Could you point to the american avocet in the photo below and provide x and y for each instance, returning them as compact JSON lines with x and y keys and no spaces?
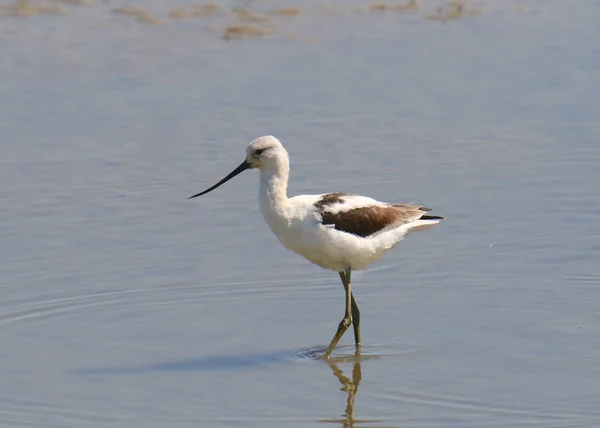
{"x":337,"y":231}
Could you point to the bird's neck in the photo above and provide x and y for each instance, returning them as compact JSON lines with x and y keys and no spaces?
{"x":273,"y":184}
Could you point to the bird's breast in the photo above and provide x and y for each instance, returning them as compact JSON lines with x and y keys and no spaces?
{"x":290,"y":229}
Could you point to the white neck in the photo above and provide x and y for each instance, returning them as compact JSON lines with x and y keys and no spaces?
{"x":273,"y":183}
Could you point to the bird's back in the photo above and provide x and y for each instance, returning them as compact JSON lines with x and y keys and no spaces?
{"x":337,"y":230}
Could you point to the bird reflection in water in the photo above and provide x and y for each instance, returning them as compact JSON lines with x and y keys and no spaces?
{"x":350,"y":387}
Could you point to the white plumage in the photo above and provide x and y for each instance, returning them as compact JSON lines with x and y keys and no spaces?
{"x":337,"y":231}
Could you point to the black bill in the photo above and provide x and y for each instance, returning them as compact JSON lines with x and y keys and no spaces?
{"x":243,"y":166}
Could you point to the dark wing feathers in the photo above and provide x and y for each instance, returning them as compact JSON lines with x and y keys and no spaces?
{"x":361,"y":221}
{"x":432,"y":217}
{"x":366,"y":221}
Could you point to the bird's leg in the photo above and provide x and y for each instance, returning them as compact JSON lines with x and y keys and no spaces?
{"x":356,"y":322}
{"x":355,"y":315}
{"x":347,"y":320}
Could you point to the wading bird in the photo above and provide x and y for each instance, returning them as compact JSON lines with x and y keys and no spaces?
{"x":337,"y":231}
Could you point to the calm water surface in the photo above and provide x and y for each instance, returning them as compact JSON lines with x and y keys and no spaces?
{"x":124,"y":304}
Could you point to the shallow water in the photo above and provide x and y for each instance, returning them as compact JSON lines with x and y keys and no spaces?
{"x":124,"y":304}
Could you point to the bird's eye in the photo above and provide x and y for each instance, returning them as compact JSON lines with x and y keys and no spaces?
{"x":258,"y":152}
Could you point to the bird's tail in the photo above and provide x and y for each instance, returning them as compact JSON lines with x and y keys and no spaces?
{"x":432,"y":217}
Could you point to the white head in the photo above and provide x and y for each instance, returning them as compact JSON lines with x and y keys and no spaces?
{"x":265,"y":153}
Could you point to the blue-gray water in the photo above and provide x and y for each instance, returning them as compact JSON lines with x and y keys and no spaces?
{"x":124,"y":304}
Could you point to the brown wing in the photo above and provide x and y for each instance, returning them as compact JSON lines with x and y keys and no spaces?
{"x":425,"y":209}
{"x":366,"y":221}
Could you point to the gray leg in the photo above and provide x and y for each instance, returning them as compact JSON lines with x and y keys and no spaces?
{"x":347,"y":320}
{"x":356,"y":322}
{"x":355,"y":312}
